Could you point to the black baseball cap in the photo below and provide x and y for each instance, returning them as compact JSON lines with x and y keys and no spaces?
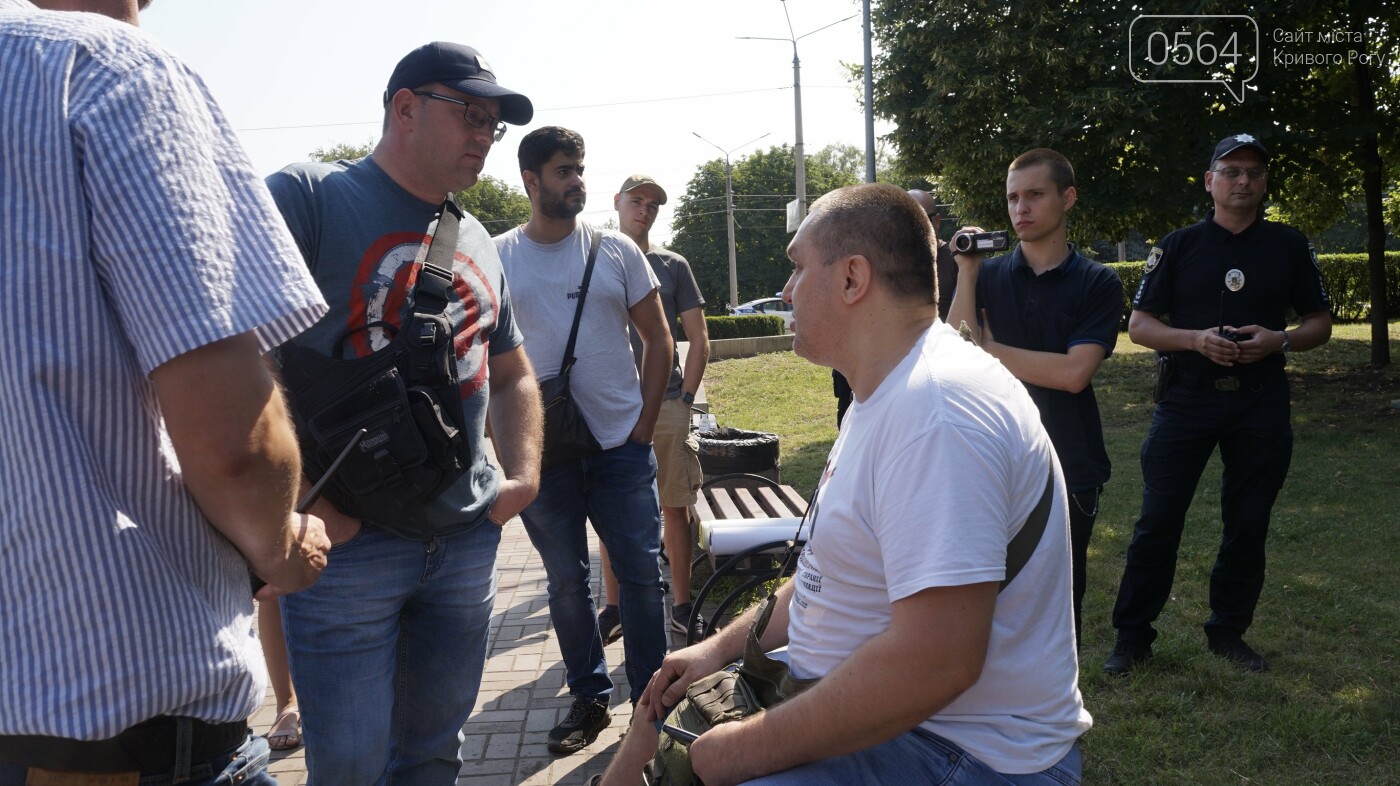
{"x":460,"y":68}
{"x":1235,"y":142}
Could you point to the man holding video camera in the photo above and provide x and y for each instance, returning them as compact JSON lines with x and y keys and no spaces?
{"x":1226,"y":387}
{"x":1051,"y":317}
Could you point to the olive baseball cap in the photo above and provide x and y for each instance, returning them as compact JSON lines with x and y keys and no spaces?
{"x":643,"y":180}
{"x":461,"y":68}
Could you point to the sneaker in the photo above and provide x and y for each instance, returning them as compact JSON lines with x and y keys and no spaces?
{"x":1233,"y":649}
{"x":586,"y":720}
{"x":1125,"y":658}
{"x":610,"y":624}
{"x":680,"y":622}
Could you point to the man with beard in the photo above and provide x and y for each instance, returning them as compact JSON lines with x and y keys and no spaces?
{"x":614,"y":487}
{"x":387,"y":655}
{"x":1051,"y":317}
{"x":1214,"y":299}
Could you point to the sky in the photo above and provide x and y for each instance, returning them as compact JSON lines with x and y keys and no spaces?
{"x":637,"y":79}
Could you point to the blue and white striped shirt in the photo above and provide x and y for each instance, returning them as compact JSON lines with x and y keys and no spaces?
{"x":132,"y":230}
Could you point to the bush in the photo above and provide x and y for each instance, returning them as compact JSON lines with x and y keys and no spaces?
{"x":744,"y":326}
{"x":1347,"y":277}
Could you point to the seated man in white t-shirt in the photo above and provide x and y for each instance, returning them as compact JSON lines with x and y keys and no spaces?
{"x":927,"y":673}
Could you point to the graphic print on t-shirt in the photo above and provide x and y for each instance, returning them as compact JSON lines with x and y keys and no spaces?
{"x":809,"y":572}
{"x":380,"y":292}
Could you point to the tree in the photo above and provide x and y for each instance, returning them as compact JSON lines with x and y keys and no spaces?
{"x":1338,"y":117}
{"x":343,"y":151}
{"x":498,"y":206}
{"x":973,"y":84}
{"x":763,"y":185}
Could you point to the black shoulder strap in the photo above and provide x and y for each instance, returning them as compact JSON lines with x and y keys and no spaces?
{"x":433,"y":291}
{"x":1018,"y":550}
{"x":1022,"y":546}
{"x":593,"y":239}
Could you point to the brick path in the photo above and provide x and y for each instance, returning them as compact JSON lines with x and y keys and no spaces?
{"x":522,"y":689}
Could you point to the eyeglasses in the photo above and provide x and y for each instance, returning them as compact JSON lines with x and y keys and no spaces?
{"x":475,"y":116}
{"x":1232,"y":172}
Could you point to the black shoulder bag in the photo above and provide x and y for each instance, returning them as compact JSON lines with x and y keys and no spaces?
{"x":566,"y":434}
{"x":757,"y":681}
{"x":406,"y":396}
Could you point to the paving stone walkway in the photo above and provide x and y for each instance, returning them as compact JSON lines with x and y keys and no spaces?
{"x":522,"y":690}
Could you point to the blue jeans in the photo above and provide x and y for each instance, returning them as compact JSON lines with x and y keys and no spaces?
{"x":616,"y":490}
{"x":386,"y":653}
{"x":246,"y":766}
{"x":919,"y":757}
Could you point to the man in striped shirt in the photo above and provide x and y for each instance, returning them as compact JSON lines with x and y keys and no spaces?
{"x":148,"y":462}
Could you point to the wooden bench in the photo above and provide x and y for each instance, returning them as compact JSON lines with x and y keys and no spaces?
{"x":746,"y":522}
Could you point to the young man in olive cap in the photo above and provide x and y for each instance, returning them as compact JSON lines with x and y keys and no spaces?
{"x":678,"y":473}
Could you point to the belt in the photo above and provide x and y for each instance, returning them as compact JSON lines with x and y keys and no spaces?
{"x":1227,"y":384}
{"x":149,"y":746}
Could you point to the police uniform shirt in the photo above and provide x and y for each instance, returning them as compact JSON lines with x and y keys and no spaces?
{"x":1204,"y":276}
{"x":1080,"y":301}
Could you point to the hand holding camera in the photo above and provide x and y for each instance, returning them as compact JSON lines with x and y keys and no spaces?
{"x":974,"y":241}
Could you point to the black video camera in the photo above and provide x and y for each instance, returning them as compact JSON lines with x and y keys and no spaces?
{"x":979,"y":242}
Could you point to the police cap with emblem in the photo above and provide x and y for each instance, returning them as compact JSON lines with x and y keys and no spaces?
{"x":1235,"y":142}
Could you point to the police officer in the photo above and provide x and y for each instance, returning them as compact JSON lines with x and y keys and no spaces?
{"x":1226,"y":285}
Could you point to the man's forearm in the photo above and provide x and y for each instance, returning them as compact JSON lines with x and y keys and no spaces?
{"x":940,"y":638}
{"x":1071,"y":371}
{"x":697,"y":356}
{"x":238,"y":454}
{"x":964,"y":305}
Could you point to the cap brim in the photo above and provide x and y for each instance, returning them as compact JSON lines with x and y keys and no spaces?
{"x":1243,"y":146}
{"x":516,"y":109}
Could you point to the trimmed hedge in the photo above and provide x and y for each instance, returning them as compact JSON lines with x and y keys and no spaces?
{"x":1347,"y":277}
{"x":744,"y":326}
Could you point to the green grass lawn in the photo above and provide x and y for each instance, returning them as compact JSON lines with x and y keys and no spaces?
{"x":1329,"y":619}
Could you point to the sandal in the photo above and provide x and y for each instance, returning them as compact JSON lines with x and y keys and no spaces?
{"x":284,"y":736}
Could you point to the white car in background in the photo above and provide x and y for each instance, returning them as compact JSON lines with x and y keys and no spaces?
{"x":767,"y":306}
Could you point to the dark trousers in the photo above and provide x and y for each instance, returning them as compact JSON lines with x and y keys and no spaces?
{"x":1255,"y":436}
{"x":1083,"y":512}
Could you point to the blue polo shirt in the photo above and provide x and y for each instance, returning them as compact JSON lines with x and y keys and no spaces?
{"x":1079,"y":301}
{"x":1272,"y":266}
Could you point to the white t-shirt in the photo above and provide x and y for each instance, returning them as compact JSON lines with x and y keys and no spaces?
{"x":928,"y":481}
{"x":544,"y":282}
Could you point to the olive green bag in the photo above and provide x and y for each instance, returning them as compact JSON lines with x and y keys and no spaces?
{"x":758,"y":681}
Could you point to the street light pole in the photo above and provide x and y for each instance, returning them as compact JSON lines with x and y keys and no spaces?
{"x":869,"y":96}
{"x":797,"y":151}
{"x":729,"y":213}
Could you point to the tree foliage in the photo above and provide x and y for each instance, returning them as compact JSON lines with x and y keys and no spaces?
{"x":763,"y":185}
{"x":973,"y":84}
{"x":496,"y":204}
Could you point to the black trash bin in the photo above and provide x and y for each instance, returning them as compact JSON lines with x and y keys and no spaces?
{"x":725,"y":451}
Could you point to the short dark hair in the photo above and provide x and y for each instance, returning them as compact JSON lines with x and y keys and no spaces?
{"x":1061,"y":171}
{"x":886,"y":226}
{"x":540,"y":145}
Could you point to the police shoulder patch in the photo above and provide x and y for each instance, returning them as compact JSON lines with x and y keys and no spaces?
{"x":1153,"y":258}
{"x":1312,"y":252}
